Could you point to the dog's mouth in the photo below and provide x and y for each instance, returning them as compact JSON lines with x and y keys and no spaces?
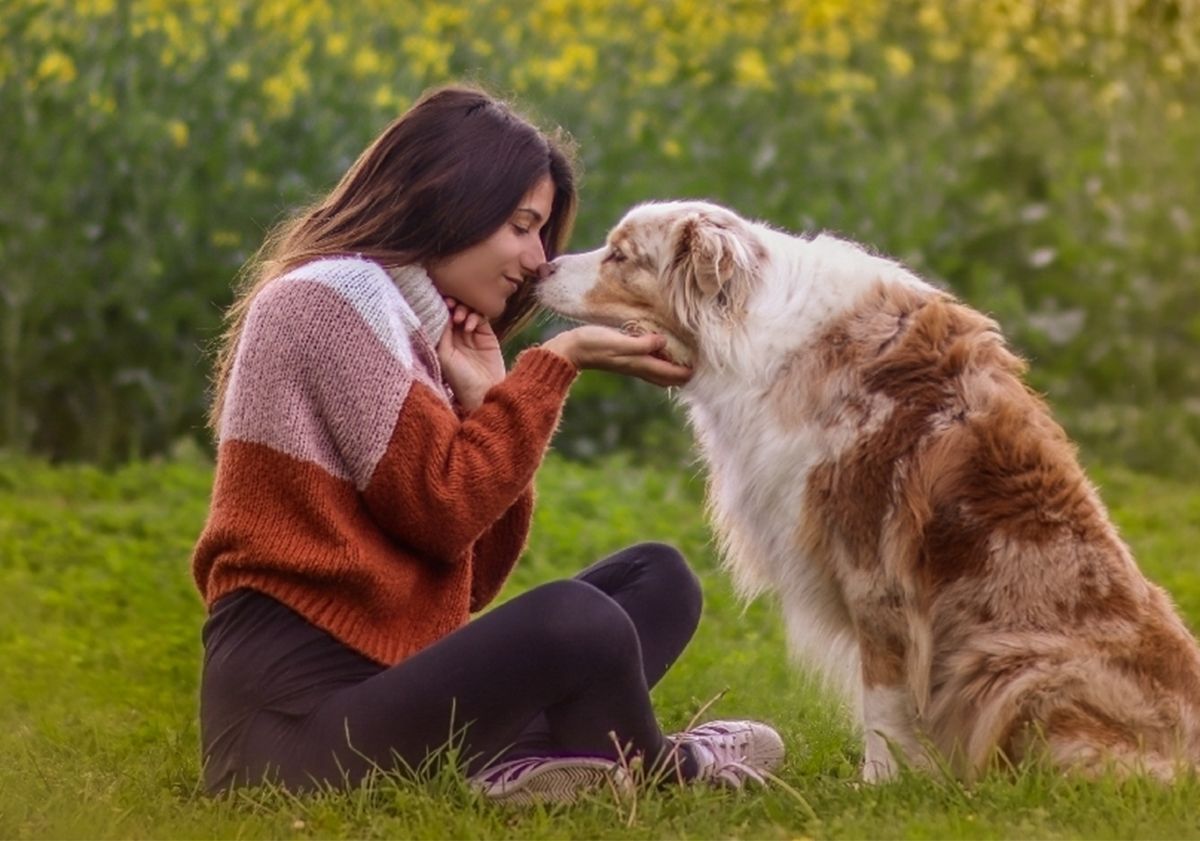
{"x":677,"y":350}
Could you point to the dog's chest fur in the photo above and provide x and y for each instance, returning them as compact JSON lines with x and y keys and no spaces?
{"x":765,"y":430}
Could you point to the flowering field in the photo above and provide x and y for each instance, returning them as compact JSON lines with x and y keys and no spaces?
{"x":1039,"y":158}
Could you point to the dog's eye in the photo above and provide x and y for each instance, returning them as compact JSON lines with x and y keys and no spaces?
{"x":615,"y":255}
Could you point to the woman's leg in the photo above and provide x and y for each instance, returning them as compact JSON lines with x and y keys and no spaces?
{"x":657,"y":590}
{"x":564,"y":649}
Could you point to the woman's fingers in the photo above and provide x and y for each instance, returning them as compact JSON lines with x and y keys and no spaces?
{"x":611,"y":350}
{"x":463,"y":316}
{"x":658,"y":371}
{"x":612,"y":341}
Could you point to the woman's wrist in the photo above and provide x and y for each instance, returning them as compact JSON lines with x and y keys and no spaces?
{"x":563,"y":345}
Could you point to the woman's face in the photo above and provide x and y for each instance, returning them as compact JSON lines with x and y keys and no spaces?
{"x":485,"y":275}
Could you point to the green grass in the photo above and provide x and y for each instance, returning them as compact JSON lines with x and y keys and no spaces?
{"x":100,"y":655}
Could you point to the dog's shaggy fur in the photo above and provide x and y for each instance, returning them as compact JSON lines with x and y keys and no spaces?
{"x":876,"y":460}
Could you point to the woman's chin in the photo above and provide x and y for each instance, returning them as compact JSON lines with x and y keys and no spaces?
{"x":489,"y":309}
{"x":496,"y":309}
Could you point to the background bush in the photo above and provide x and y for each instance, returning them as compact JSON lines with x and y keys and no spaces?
{"x":1038,"y":158}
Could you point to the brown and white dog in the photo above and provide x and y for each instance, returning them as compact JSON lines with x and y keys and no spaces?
{"x":876,"y":460}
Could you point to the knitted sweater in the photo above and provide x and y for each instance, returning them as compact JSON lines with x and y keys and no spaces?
{"x":347,"y":486}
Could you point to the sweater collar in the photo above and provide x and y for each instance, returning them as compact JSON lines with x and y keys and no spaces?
{"x":418,"y":290}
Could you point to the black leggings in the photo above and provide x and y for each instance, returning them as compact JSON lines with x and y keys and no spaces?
{"x":555,"y":670}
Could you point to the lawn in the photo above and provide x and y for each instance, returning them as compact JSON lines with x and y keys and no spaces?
{"x":100,"y":654}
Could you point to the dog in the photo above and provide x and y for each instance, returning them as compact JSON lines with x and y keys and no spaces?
{"x":876,"y":460}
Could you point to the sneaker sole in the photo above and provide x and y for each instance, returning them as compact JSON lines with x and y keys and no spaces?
{"x":563,"y":785}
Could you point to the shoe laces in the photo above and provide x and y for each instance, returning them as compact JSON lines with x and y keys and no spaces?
{"x":725,"y":745}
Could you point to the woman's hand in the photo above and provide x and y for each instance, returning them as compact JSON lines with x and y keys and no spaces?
{"x":470,"y":356}
{"x":608,"y":349}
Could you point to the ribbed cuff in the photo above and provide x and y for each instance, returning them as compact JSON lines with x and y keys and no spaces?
{"x":546,"y":367}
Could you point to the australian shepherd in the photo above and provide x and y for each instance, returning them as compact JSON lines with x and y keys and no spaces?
{"x":876,"y":460}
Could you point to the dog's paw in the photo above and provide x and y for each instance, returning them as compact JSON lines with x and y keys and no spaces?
{"x":879,"y":770}
{"x":674,"y":351}
{"x":634,"y":327}
{"x":885,"y":757}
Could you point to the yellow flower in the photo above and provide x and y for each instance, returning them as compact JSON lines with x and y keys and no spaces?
{"x":239,"y":71}
{"x":367,"y":62}
{"x":178,"y":131}
{"x":898,"y":61}
{"x":440,"y":18}
{"x":945,"y":49}
{"x":1000,"y":76}
{"x":837,"y":44}
{"x":382,"y":97}
{"x":665,"y":68}
{"x":95,"y":8}
{"x":101,"y":102}
{"x":930,"y":17}
{"x":56,"y":66}
{"x":336,"y":44}
{"x":225,"y":239}
{"x":429,"y":56}
{"x":750,"y":70}
{"x":671,"y":148}
{"x":574,"y":67}
{"x":229,"y":15}
{"x":280,"y":95}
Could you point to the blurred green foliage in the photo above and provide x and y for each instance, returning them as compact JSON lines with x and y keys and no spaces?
{"x":1038,"y":158}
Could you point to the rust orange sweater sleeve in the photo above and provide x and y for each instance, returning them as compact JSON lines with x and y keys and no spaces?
{"x":442,"y":483}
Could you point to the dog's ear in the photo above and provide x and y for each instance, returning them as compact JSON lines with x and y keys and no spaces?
{"x":713,"y":267}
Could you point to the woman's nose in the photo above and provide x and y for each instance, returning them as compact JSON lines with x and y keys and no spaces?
{"x":534,"y":257}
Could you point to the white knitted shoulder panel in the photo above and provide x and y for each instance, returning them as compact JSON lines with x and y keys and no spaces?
{"x":324,"y":365}
{"x":369,"y":288}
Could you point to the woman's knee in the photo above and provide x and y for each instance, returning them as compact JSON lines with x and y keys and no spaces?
{"x":579,"y":623}
{"x":675,"y":577}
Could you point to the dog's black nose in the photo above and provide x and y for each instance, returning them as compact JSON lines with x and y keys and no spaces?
{"x":545,"y":270}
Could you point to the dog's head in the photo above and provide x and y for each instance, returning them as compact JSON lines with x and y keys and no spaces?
{"x":683,"y":269}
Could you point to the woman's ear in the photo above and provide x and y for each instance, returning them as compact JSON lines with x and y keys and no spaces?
{"x":714,"y":266}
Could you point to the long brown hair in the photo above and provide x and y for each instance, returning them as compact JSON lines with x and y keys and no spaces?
{"x":441,"y":178}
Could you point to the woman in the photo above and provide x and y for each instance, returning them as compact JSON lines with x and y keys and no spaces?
{"x":374,"y":487}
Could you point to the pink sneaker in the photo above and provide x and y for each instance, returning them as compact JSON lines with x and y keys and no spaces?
{"x":551,"y":779}
{"x":731,"y":753}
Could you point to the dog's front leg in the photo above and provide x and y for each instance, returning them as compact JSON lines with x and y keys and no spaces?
{"x":889,"y":708}
{"x":889,"y":716}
